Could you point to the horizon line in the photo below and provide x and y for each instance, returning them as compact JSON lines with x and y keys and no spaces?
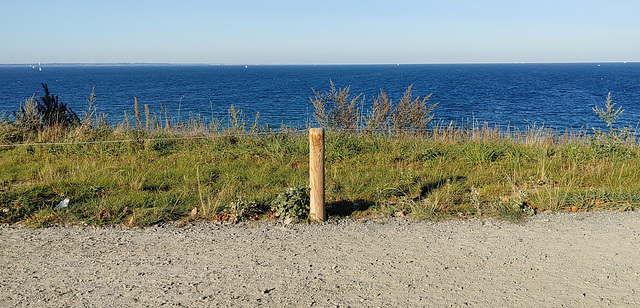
{"x":292,"y":64}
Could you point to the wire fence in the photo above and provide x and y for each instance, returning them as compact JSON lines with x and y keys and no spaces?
{"x":447,"y":131}
{"x":209,"y":136}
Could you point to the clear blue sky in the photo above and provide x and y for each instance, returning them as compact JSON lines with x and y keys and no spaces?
{"x":319,"y":32}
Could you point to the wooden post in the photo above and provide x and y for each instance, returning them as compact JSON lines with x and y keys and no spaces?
{"x":316,"y":173}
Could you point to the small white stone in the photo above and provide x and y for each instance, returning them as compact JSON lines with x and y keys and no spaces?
{"x":64,"y":203}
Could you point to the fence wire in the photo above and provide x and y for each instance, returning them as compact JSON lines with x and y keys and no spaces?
{"x":152,"y":139}
{"x":450,"y":131}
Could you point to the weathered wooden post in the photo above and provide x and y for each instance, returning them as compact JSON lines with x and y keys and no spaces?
{"x":316,"y":173}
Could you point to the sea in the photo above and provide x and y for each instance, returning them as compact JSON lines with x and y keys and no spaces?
{"x":522,"y":96}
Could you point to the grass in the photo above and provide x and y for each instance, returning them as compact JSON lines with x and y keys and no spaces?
{"x":140,"y":183}
{"x":196,"y":171}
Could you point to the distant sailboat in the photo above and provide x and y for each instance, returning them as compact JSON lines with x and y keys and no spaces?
{"x":39,"y":67}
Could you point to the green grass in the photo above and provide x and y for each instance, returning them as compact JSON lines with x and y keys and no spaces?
{"x":141,"y":183}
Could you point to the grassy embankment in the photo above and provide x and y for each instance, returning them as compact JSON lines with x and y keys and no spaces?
{"x":440,"y":174}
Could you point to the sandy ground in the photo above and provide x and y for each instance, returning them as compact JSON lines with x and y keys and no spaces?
{"x":552,"y":260}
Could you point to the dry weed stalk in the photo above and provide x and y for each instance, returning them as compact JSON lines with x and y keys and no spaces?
{"x":343,"y":114}
{"x":378,"y":116}
{"x":412,"y":114}
{"x":126,"y":118}
{"x":28,"y":118}
{"x":204,"y":211}
{"x":135,"y":106}
{"x":237,"y":124}
{"x":146,"y":115}
{"x":167,"y":125}
{"x":335,"y":109}
{"x":91,"y":110}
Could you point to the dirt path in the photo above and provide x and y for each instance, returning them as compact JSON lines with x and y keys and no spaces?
{"x":553,"y":260}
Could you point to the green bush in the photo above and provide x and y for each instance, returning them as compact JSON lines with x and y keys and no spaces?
{"x":54,"y":113}
{"x":242,"y":209}
{"x":610,"y":143}
{"x":293,"y":204}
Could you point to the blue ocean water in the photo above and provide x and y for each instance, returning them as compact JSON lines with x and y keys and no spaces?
{"x":559,"y":96}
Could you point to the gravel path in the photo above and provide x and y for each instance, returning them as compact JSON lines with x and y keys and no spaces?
{"x":552,"y":260}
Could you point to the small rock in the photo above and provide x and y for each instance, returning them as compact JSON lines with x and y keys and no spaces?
{"x":64,"y":203}
{"x":287,"y":221}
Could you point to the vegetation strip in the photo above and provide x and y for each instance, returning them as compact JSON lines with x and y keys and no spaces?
{"x":248,"y":172}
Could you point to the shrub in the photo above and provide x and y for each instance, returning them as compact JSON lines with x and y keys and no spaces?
{"x":242,"y":209}
{"x":27,"y":122}
{"x":608,"y":115}
{"x":293,"y":204}
{"x":35,"y":115}
{"x":54,"y":113}
{"x":611,"y":142}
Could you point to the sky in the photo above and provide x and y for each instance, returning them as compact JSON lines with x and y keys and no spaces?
{"x":318,"y":32}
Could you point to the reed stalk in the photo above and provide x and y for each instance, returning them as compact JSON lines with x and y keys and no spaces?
{"x":146,"y":116}
{"x":126,"y":118}
{"x":135,"y":106}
